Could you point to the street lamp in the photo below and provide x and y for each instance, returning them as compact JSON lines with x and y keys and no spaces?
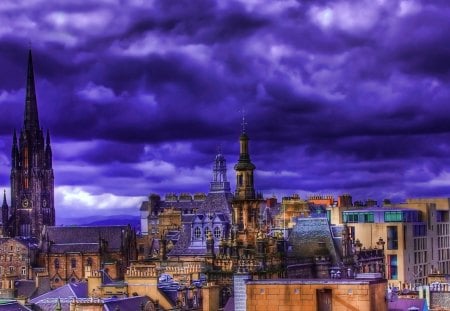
{"x":381,"y":243}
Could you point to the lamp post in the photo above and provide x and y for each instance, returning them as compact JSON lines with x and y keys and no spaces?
{"x":381,"y":243}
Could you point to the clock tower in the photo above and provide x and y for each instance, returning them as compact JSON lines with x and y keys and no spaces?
{"x":32,"y":180}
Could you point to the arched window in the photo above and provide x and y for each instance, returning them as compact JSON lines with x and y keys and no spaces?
{"x":197,"y":233}
{"x":207,"y":231}
{"x":217,"y":233}
{"x":73,"y":263}
{"x":56,"y":263}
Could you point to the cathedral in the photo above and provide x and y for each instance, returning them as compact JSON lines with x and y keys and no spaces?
{"x":32,"y":179}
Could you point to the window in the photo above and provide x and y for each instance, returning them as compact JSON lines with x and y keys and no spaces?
{"x":392,"y":237}
{"x":56,"y":263}
{"x":368,"y":217}
{"x":11,"y":269}
{"x":24,"y":271}
{"x":442,"y":216}
{"x":197,"y":233}
{"x":217,"y":233}
{"x":392,"y":260}
{"x":73,"y":263}
{"x":419,"y":230}
{"x":350,"y":217}
{"x":89,"y":262}
{"x":207,"y":231}
{"x":393,"y":216}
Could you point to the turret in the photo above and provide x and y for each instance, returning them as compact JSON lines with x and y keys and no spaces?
{"x":244,"y":171}
{"x":219,"y":182}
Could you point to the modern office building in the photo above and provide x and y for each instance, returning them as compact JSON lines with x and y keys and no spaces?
{"x":415,"y":246}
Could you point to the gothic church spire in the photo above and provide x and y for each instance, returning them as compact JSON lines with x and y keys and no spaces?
{"x":31,"y":119}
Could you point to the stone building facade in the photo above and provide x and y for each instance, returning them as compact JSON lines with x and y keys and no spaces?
{"x":72,"y":254}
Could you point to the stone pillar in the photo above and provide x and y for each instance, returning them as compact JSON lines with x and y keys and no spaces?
{"x":240,"y":291}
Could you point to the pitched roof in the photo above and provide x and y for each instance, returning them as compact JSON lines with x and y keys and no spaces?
{"x":84,"y":238}
{"x":311,"y":237}
{"x":130,"y":303}
{"x":406,"y":303}
{"x":12,"y":305}
{"x":66,"y":292}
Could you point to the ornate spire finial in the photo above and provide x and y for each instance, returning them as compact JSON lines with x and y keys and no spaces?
{"x":244,"y":123}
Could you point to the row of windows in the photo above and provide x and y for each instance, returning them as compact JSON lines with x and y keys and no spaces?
{"x":11,"y":249}
{"x":442,"y":229}
{"x":420,"y":257}
{"x":217,"y":233}
{"x":358,"y":217}
{"x":420,"y":244}
{"x":444,"y":267}
{"x":443,"y":254}
{"x":73,"y":263}
{"x":12,"y":269}
{"x":443,"y":242}
{"x":11,"y":258}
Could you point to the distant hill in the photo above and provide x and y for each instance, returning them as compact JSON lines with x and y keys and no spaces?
{"x":134,"y":221}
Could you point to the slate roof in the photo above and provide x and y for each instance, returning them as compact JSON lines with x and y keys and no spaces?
{"x":305,"y":237}
{"x":401,"y":304}
{"x":47,"y":301}
{"x":83,"y":239}
{"x":182,"y":246}
{"x":130,"y":303}
{"x":12,"y":305}
{"x":25,"y":288}
{"x":217,"y":202}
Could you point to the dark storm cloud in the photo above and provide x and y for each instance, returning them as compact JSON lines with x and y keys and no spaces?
{"x":138,"y":96}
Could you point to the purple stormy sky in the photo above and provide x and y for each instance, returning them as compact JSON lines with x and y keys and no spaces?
{"x":341,"y":97}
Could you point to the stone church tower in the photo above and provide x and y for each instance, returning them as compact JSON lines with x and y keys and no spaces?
{"x":247,"y":204}
{"x":32,"y":180}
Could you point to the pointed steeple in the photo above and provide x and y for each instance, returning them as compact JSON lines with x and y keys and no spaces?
{"x":4,"y":198}
{"x":14,"y":152}
{"x":48,"y":152}
{"x":31,"y":120}
{"x":5,"y":209}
